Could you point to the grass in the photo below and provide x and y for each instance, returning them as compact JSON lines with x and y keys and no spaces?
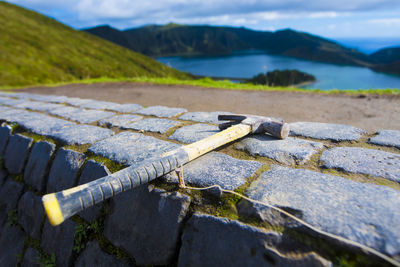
{"x":208,"y":83}
{"x":39,"y":50}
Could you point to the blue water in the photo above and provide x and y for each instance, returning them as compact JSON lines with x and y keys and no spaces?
{"x":369,"y":45}
{"x":246,"y":65}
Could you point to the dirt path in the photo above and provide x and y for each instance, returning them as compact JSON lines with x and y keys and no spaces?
{"x":371,"y":113}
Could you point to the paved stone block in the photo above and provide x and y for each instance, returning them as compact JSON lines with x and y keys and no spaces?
{"x":213,"y":241}
{"x":95,"y":104}
{"x":366,"y":213}
{"x":211,"y":117}
{"x":152,"y":222}
{"x":287,"y":151}
{"x":16,"y":153}
{"x":217,"y":168}
{"x":81,"y":115}
{"x":81,"y":134}
{"x":153,"y":125}
{"x":91,"y":171}
{"x":365,"y":161}
{"x":60,"y":241}
{"x":161,"y":111}
{"x":9,"y":201}
{"x":11,"y":245}
{"x":10,"y":101}
{"x":29,"y":105}
{"x":47,"y":98}
{"x":5,"y":132}
{"x":193,"y":133}
{"x":387,"y":138}
{"x":31,"y":258}
{"x":11,"y":114}
{"x":131,"y":148}
{"x":46,"y":107}
{"x":64,"y":170}
{"x":119,"y":120}
{"x":3,"y":176}
{"x":326,"y":131}
{"x":94,"y":256}
{"x":38,"y":165}
{"x":126,"y":108}
{"x":75,"y":101}
{"x":30,"y":213}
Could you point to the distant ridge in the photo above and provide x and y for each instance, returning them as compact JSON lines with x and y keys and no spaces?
{"x":174,"y":39}
{"x":36,"y":50}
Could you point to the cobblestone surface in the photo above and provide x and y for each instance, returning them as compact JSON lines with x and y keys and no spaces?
{"x":30,"y":214}
{"x":387,"y":138}
{"x":152,"y":125}
{"x":193,"y":133}
{"x":119,"y":120}
{"x":81,"y":115}
{"x":324,"y":131}
{"x":17,"y":153}
{"x":161,"y":111}
{"x":81,"y":134}
{"x":211,"y":117}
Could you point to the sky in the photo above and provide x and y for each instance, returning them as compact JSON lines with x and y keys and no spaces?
{"x":327,"y":18}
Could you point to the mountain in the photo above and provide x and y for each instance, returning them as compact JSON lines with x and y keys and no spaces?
{"x":174,"y":39}
{"x":387,"y":60}
{"x":36,"y":49}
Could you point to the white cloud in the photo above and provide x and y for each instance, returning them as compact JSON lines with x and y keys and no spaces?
{"x":388,"y":22}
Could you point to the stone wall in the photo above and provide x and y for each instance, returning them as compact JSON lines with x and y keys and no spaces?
{"x":337,"y":178}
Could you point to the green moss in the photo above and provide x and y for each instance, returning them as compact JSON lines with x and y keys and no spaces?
{"x":45,"y":260}
{"x":19,"y":178}
{"x":78,"y":148}
{"x":111,"y":165}
{"x":12,"y":218}
{"x":37,"y":137}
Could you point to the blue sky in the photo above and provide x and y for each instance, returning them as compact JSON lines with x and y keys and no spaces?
{"x":328,"y":18}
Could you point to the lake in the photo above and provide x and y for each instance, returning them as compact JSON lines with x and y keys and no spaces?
{"x":246,"y":65}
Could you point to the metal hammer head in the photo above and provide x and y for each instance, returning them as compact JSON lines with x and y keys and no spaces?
{"x":275,"y":127}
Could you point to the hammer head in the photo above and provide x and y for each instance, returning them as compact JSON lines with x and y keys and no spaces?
{"x":275,"y":127}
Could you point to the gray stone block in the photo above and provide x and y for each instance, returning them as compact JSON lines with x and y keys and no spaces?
{"x":16,"y":153}
{"x":95,"y":104}
{"x":29,"y":105}
{"x":119,"y":120}
{"x":81,"y":115}
{"x":325,"y":131}
{"x":64,"y":170}
{"x":131,"y":148}
{"x":30,"y":214}
{"x":94,"y":256}
{"x":126,"y":108}
{"x":31,"y":258}
{"x":365,"y":161}
{"x":91,"y":171}
{"x":213,"y":241}
{"x":11,"y":245}
{"x":210,"y":117}
{"x":361,"y":212}
{"x":152,"y":222}
{"x":287,"y":151}
{"x":3,"y":176}
{"x":46,"y":107}
{"x":10,"y":101}
{"x":12,"y":115}
{"x":193,"y":133}
{"x":5,"y":132}
{"x":9,"y":201}
{"x":81,"y":134}
{"x":161,"y":111}
{"x":152,"y":125}
{"x":47,"y":98}
{"x":38,"y":165}
{"x":387,"y":138}
{"x":75,"y":101}
{"x":217,"y":168}
{"x":60,"y":241}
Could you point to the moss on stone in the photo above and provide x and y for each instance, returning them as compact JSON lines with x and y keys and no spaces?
{"x":79,"y":148}
{"x":111,"y":165}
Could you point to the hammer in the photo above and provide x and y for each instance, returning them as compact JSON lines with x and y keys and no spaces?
{"x":62,"y":205}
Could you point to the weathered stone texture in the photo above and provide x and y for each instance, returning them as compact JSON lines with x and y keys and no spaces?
{"x":81,"y":115}
{"x":152,"y":125}
{"x":9,"y":201}
{"x":46,"y":107}
{"x":64,"y":170}
{"x":126,"y":108}
{"x":194,"y":133}
{"x":5,"y":132}
{"x":353,"y":210}
{"x":152,"y":221}
{"x":38,"y":164}
{"x":31,"y":258}
{"x":365,"y":161}
{"x":213,"y":241}
{"x":131,"y":148}
{"x":161,"y":111}
{"x":387,"y":138}
{"x":91,"y":171}
{"x":60,"y":241}
{"x":94,"y":256}
{"x":16,"y":153}
{"x":119,"y":120}
{"x":11,"y":244}
{"x":30,"y":212}
{"x":217,"y":168}
{"x":81,"y":134}
{"x":95,"y":104}
{"x":325,"y":131}
{"x":42,"y":124}
{"x":211,"y":117}
{"x":287,"y":151}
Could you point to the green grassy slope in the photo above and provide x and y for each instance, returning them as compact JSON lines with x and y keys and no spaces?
{"x":35,"y":49}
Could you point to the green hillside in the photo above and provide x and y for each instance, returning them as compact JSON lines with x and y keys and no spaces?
{"x":35,"y":49}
